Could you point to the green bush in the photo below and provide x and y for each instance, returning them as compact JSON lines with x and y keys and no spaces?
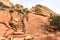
{"x":55,"y":21}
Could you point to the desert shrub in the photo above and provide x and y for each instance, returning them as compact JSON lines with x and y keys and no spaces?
{"x":55,"y":21}
{"x":19,"y":11}
{"x":24,"y":11}
{"x":3,"y":5}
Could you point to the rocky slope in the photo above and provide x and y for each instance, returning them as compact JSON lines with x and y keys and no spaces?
{"x":19,"y":23}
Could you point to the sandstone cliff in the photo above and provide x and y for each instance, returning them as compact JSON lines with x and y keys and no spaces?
{"x":19,"y":23}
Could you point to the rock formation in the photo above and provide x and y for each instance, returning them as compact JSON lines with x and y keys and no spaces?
{"x":19,"y":23}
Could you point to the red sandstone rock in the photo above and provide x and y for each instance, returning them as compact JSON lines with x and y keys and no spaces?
{"x":5,"y":16}
{"x":14,"y":14}
{"x":33,"y":23}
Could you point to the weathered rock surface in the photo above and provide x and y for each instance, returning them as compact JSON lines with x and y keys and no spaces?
{"x":17,"y":25}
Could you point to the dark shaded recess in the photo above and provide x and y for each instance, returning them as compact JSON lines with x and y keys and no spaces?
{"x":13,"y":26}
{"x":4,"y":6}
{"x":22,"y":25}
{"x":10,"y":11}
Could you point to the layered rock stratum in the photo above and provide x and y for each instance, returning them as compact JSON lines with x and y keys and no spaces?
{"x":19,"y":23}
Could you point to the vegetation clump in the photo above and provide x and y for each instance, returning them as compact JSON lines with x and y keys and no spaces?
{"x":55,"y":21}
